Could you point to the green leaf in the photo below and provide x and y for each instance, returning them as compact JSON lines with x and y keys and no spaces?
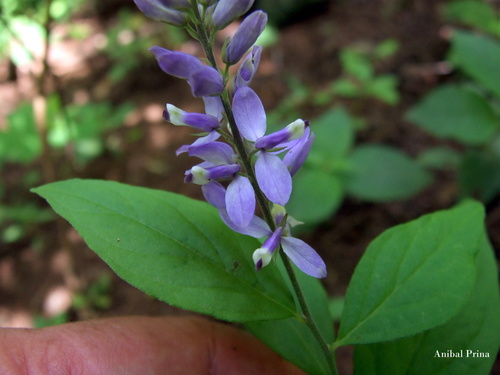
{"x":413,"y":277}
{"x":475,"y":328}
{"x":356,"y":64}
{"x":292,"y":338}
{"x":172,"y":247}
{"x":478,"y":56}
{"x":324,"y":192}
{"x":384,"y":88}
{"x":334,"y":134}
{"x":381,"y":173}
{"x":440,"y":158}
{"x":478,"y":14}
{"x":457,"y":113}
{"x":479,"y":175}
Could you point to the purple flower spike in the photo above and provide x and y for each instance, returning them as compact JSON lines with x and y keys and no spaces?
{"x":177,"y":64}
{"x":206,"y":82}
{"x":164,"y":10}
{"x":247,"y":34}
{"x":249,"y":114}
{"x":248,"y":68}
{"x":273,"y":177}
{"x":304,"y":257}
{"x":297,"y":155}
{"x":263,"y":255}
{"x":177,"y":116}
{"x":226,"y":11}
{"x":240,"y":201}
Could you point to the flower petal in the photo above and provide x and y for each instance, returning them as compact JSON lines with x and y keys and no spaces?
{"x":206,"y":81}
{"x":226,"y":11}
{"x":245,"y":37}
{"x":215,"y":194}
{"x":218,"y":153}
{"x":240,"y":201}
{"x":249,"y":114}
{"x":213,"y":106}
{"x":297,"y":155}
{"x":273,"y":177}
{"x":175,"y":63}
{"x":257,"y":227}
{"x":210,"y":137}
{"x":304,"y":257}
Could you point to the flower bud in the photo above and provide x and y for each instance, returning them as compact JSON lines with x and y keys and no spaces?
{"x":175,"y":63}
{"x":201,"y":176}
{"x":226,"y":11}
{"x":206,"y":82}
{"x":248,"y":68}
{"x":164,"y":10}
{"x":200,"y":121}
{"x":245,"y":37}
{"x":263,"y":255}
{"x":293,"y":131}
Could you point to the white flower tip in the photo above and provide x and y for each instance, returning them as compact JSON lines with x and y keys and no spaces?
{"x":296,"y":129}
{"x":261,"y":257}
{"x":199,"y":175}
{"x":175,"y":115}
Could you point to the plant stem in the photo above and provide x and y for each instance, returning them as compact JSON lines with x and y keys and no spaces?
{"x":204,"y":39}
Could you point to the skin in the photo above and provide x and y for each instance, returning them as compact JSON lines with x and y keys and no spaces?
{"x":138,"y":345}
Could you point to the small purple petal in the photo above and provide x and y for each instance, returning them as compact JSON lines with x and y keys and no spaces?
{"x":218,"y":153}
{"x":215,"y":194}
{"x":240,"y":201}
{"x":249,"y":114}
{"x":270,"y":141}
{"x":214,"y":107}
{"x":222,"y":171}
{"x":210,"y":137}
{"x":257,"y":228}
{"x":177,"y":64}
{"x":297,"y":155}
{"x":248,"y":68}
{"x":245,"y":37}
{"x":273,"y":177}
{"x":163,"y":10}
{"x":304,"y":257}
{"x":206,"y":82}
{"x":226,"y":11}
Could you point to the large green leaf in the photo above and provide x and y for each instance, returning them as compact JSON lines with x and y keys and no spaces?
{"x":413,"y":277}
{"x":475,"y":329}
{"x":291,"y":338}
{"x":172,"y":247}
{"x":478,"y":56}
{"x":457,"y":113}
{"x":381,"y":173}
{"x":315,"y":197}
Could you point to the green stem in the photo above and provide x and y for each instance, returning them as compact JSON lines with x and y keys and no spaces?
{"x":261,"y":199}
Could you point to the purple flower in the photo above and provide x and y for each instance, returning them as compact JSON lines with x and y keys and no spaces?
{"x":297,"y":155}
{"x":200,"y":121}
{"x":248,"y":68}
{"x":300,"y":253}
{"x":272,"y":174}
{"x":248,"y":32}
{"x":226,"y":11}
{"x":164,"y":10}
{"x":204,"y":80}
{"x":215,"y":194}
